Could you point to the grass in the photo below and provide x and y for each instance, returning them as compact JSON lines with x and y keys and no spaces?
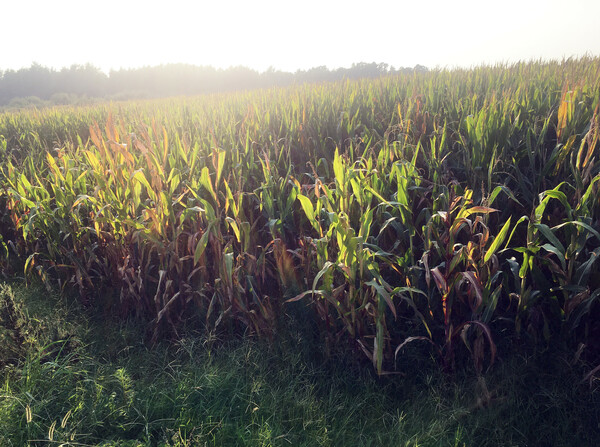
{"x":86,"y":380}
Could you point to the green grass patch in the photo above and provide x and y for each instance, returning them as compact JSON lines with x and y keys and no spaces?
{"x":80,"y":381}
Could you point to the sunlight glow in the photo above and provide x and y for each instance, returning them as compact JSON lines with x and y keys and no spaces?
{"x":294,"y":35}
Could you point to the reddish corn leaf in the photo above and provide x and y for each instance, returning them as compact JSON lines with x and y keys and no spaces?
{"x":440,"y":281}
{"x":458,"y":225}
{"x":486,"y":331}
{"x":475,"y":286}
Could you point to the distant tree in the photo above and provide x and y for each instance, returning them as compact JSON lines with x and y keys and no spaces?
{"x":315,"y":74}
{"x":28,"y":101}
{"x":273,"y":77}
{"x":81,"y":82}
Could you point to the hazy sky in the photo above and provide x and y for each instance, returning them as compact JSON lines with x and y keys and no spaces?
{"x":292,"y":35}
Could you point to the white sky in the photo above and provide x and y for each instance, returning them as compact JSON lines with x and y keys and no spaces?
{"x":292,"y":35}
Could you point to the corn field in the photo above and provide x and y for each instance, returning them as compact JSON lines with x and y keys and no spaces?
{"x":448,"y":210}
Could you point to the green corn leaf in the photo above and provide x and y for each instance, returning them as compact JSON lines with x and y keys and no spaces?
{"x":307,"y":206}
{"x":228,"y":257}
{"x":466,"y":212}
{"x":29,"y":262}
{"x":206,"y":183}
{"x":456,"y":259}
{"x":174,"y":183}
{"x":236,"y":229}
{"x":24,"y":186}
{"x":497,"y":190}
{"x":548,"y":234}
{"x":378,"y":346}
{"x":22,"y":197}
{"x":338,"y":171}
{"x":497,"y":241}
{"x":524,"y":265}
{"x":291,"y":198}
{"x":140,"y":177}
{"x":54,"y":167}
{"x":356,"y":189}
{"x":232,"y":202}
{"x":383,"y":294}
{"x":489,"y":310}
{"x":522,"y":219}
{"x":552,"y":249}
{"x":326,"y":267}
{"x":209,"y":211}
{"x":82,"y":198}
{"x":93,"y":161}
{"x":552,"y":194}
{"x":201,"y":246}
{"x":582,"y":273}
{"x":583,"y":203}
{"x":220,"y":163}
{"x":580,"y":224}
{"x":366,"y":220}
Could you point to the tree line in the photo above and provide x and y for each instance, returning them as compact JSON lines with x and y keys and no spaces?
{"x":40,"y":85}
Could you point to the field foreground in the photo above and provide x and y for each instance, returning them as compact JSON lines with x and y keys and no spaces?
{"x":77,"y":380}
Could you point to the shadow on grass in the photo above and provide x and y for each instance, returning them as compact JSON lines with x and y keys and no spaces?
{"x":83,"y":381}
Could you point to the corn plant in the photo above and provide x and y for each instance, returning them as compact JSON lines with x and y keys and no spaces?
{"x":461,"y":260}
{"x":423,"y":207}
